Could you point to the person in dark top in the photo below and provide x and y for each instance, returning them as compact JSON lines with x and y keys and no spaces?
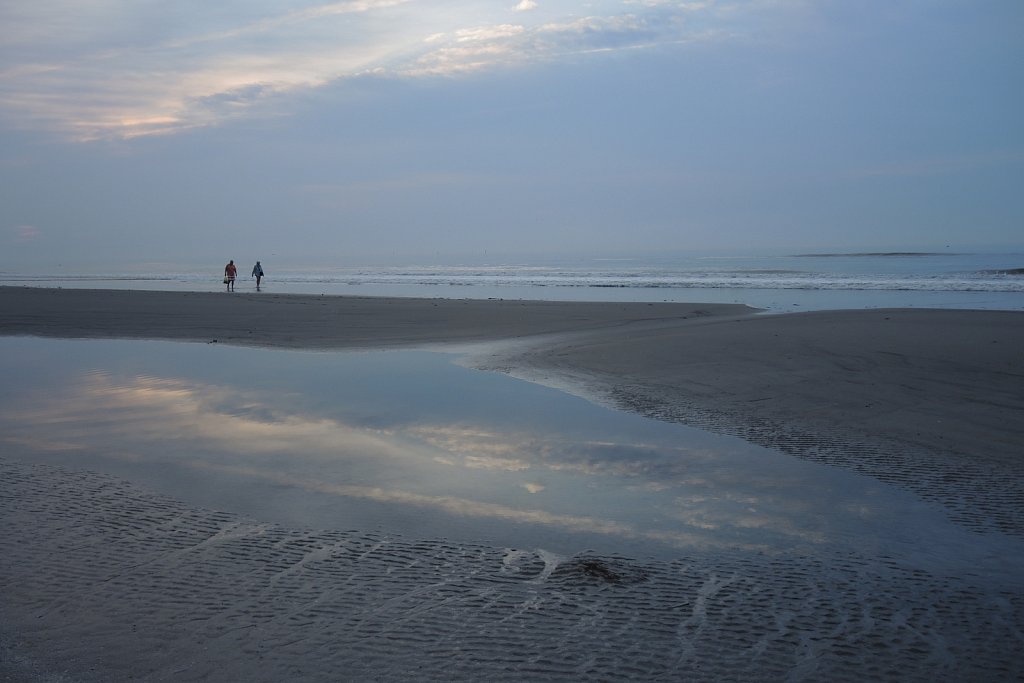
{"x":257,"y":272}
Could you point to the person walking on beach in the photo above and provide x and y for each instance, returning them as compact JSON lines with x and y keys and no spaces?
{"x":257,"y":272}
{"x":230,"y":271}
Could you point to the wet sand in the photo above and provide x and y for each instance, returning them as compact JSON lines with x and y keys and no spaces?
{"x":314,"y":322}
{"x":103,"y":580}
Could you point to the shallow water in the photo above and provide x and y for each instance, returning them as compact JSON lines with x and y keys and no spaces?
{"x":395,"y":516}
{"x":410,"y":443}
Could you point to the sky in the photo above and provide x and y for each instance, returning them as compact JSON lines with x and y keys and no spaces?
{"x":415,"y":131}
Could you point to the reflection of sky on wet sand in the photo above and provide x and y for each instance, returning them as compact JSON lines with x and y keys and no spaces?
{"x":412,"y":443}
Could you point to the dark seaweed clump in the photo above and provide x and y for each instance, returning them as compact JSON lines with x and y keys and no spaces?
{"x":599,"y":570}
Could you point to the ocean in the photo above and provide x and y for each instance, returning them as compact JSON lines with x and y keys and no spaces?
{"x":776,"y":283}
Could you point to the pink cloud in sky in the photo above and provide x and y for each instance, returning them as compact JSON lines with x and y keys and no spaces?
{"x":26,"y":233}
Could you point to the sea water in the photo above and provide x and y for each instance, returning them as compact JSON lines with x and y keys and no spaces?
{"x":776,"y":283}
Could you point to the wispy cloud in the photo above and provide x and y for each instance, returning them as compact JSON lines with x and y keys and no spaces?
{"x":120,"y":70}
{"x":24,"y":234}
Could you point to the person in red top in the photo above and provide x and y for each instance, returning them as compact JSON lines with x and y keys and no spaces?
{"x":230,"y":271}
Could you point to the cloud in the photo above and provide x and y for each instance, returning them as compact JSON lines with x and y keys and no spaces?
{"x":122,"y":70}
{"x":488,"y":33}
{"x":484,"y":47}
{"x":23,"y":234}
{"x":109,"y":82}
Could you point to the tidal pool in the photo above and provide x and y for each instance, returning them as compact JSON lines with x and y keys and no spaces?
{"x":411,"y":443}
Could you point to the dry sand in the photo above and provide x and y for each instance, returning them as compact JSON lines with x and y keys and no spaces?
{"x":104,"y":581}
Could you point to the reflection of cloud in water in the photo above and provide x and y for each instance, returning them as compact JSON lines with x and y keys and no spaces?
{"x":151,"y":408}
{"x":694,"y":490}
{"x":665,"y":468}
{"x":466,"y":441}
{"x":462,"y":506}
{"x":147,"y":409}
{"x":511,"y":450}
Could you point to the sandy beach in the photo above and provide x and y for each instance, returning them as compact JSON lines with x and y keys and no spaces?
{"x":105,"y":581}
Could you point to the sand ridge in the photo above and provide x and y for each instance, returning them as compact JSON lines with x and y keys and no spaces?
{"x":315,"y":322}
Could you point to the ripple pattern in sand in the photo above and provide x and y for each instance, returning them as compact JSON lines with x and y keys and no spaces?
{"x":103,"y":581}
